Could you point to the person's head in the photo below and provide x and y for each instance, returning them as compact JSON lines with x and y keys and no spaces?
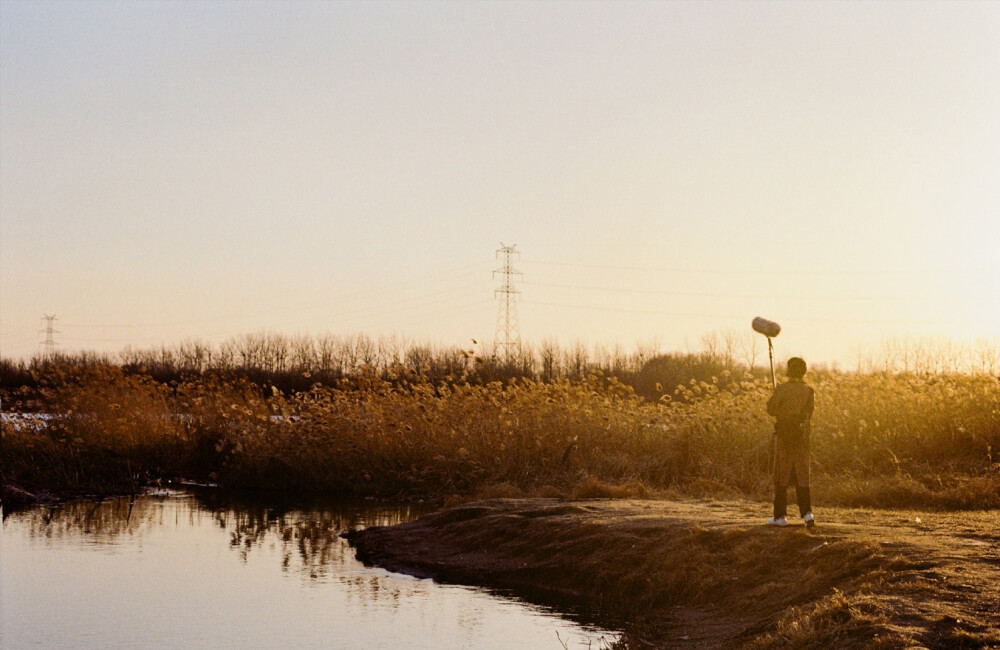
{"x":796,"y":368}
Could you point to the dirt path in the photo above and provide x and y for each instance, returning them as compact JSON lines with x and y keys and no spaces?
{"x":710,"y":574}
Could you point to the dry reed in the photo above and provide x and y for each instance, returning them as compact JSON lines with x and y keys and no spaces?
{"x":878,"y":439}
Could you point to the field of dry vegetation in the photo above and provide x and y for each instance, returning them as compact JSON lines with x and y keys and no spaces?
{"x":461,"y":430}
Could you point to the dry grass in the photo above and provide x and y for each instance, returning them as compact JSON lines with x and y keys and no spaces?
{"x":711,"y":575}
{"x":878,"y":440}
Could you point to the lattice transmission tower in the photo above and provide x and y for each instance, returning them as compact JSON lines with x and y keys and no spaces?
{"x":508,"y":338}
{"x":49,"y":344}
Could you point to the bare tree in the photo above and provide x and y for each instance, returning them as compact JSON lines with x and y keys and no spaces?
{"x":987,"y":355}
{"x":710,"y":346}
{"x":549,"y":352}
{"x":304,"y":354}
{"x":367,"y":351}
{"x":646,"y":350}
{"x":750,"y":347}
{"x":619,"y":360}
{"x":327,"y":346}
{"x":730,"y":341}
{"x":576,"y":359}
{"x":129,"y":356}
{"x":193,"y":355}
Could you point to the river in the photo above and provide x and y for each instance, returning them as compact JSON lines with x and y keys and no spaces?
{"x":199,"y":568}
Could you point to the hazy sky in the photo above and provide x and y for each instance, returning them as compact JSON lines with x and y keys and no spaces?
{"x":173,"y":170}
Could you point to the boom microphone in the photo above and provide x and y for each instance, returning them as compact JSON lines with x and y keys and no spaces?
{"x":766,"y":327}
{"x":770,"y":329}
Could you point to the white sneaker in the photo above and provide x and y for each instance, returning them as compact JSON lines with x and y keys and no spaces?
{"x":808,"y":520}
{"x":780,"y":521}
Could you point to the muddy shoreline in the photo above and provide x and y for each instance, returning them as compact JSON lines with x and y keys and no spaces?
{"x":706,"y":574}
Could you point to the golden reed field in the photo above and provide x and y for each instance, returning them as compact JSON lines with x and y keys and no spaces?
{"x":878,"y":439}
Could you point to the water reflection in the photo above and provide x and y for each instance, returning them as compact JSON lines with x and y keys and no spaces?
{"x":192,"y":567}
{"x":103,"y":521}
{"x":306,"y":535}
{"x":309,"y":540}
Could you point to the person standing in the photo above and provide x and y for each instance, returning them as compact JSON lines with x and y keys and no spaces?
{"x":792,"y":405}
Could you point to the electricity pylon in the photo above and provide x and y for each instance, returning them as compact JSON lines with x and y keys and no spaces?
{"x":49,"y":344}
{"x":508,"y":338}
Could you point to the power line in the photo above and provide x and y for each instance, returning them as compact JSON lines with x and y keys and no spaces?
{"x":694,"y":294}
{"x":460,"y":309}
{"x":333,"y":301}
{"x":389,"y":313}
{"x":732,"y":316}
{"x":421,"y":302}
{"x":750,"y":271}
{"x":629,"y":311}
{"x":342,"y":322}
{"x":22,"y":339}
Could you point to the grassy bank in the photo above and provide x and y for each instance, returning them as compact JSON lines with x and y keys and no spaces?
{"x":878,"y":440}
{"x":710,"y":574}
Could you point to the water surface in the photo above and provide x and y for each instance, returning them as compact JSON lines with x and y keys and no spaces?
{"x":199,"y":569}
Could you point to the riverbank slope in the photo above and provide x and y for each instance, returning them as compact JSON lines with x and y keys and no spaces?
{"x":705,"y":574}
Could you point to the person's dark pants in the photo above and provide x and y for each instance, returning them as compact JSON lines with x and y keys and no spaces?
{"x":781,"y":499}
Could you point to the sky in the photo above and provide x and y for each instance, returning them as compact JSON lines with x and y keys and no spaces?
{"x":200,"y":170}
